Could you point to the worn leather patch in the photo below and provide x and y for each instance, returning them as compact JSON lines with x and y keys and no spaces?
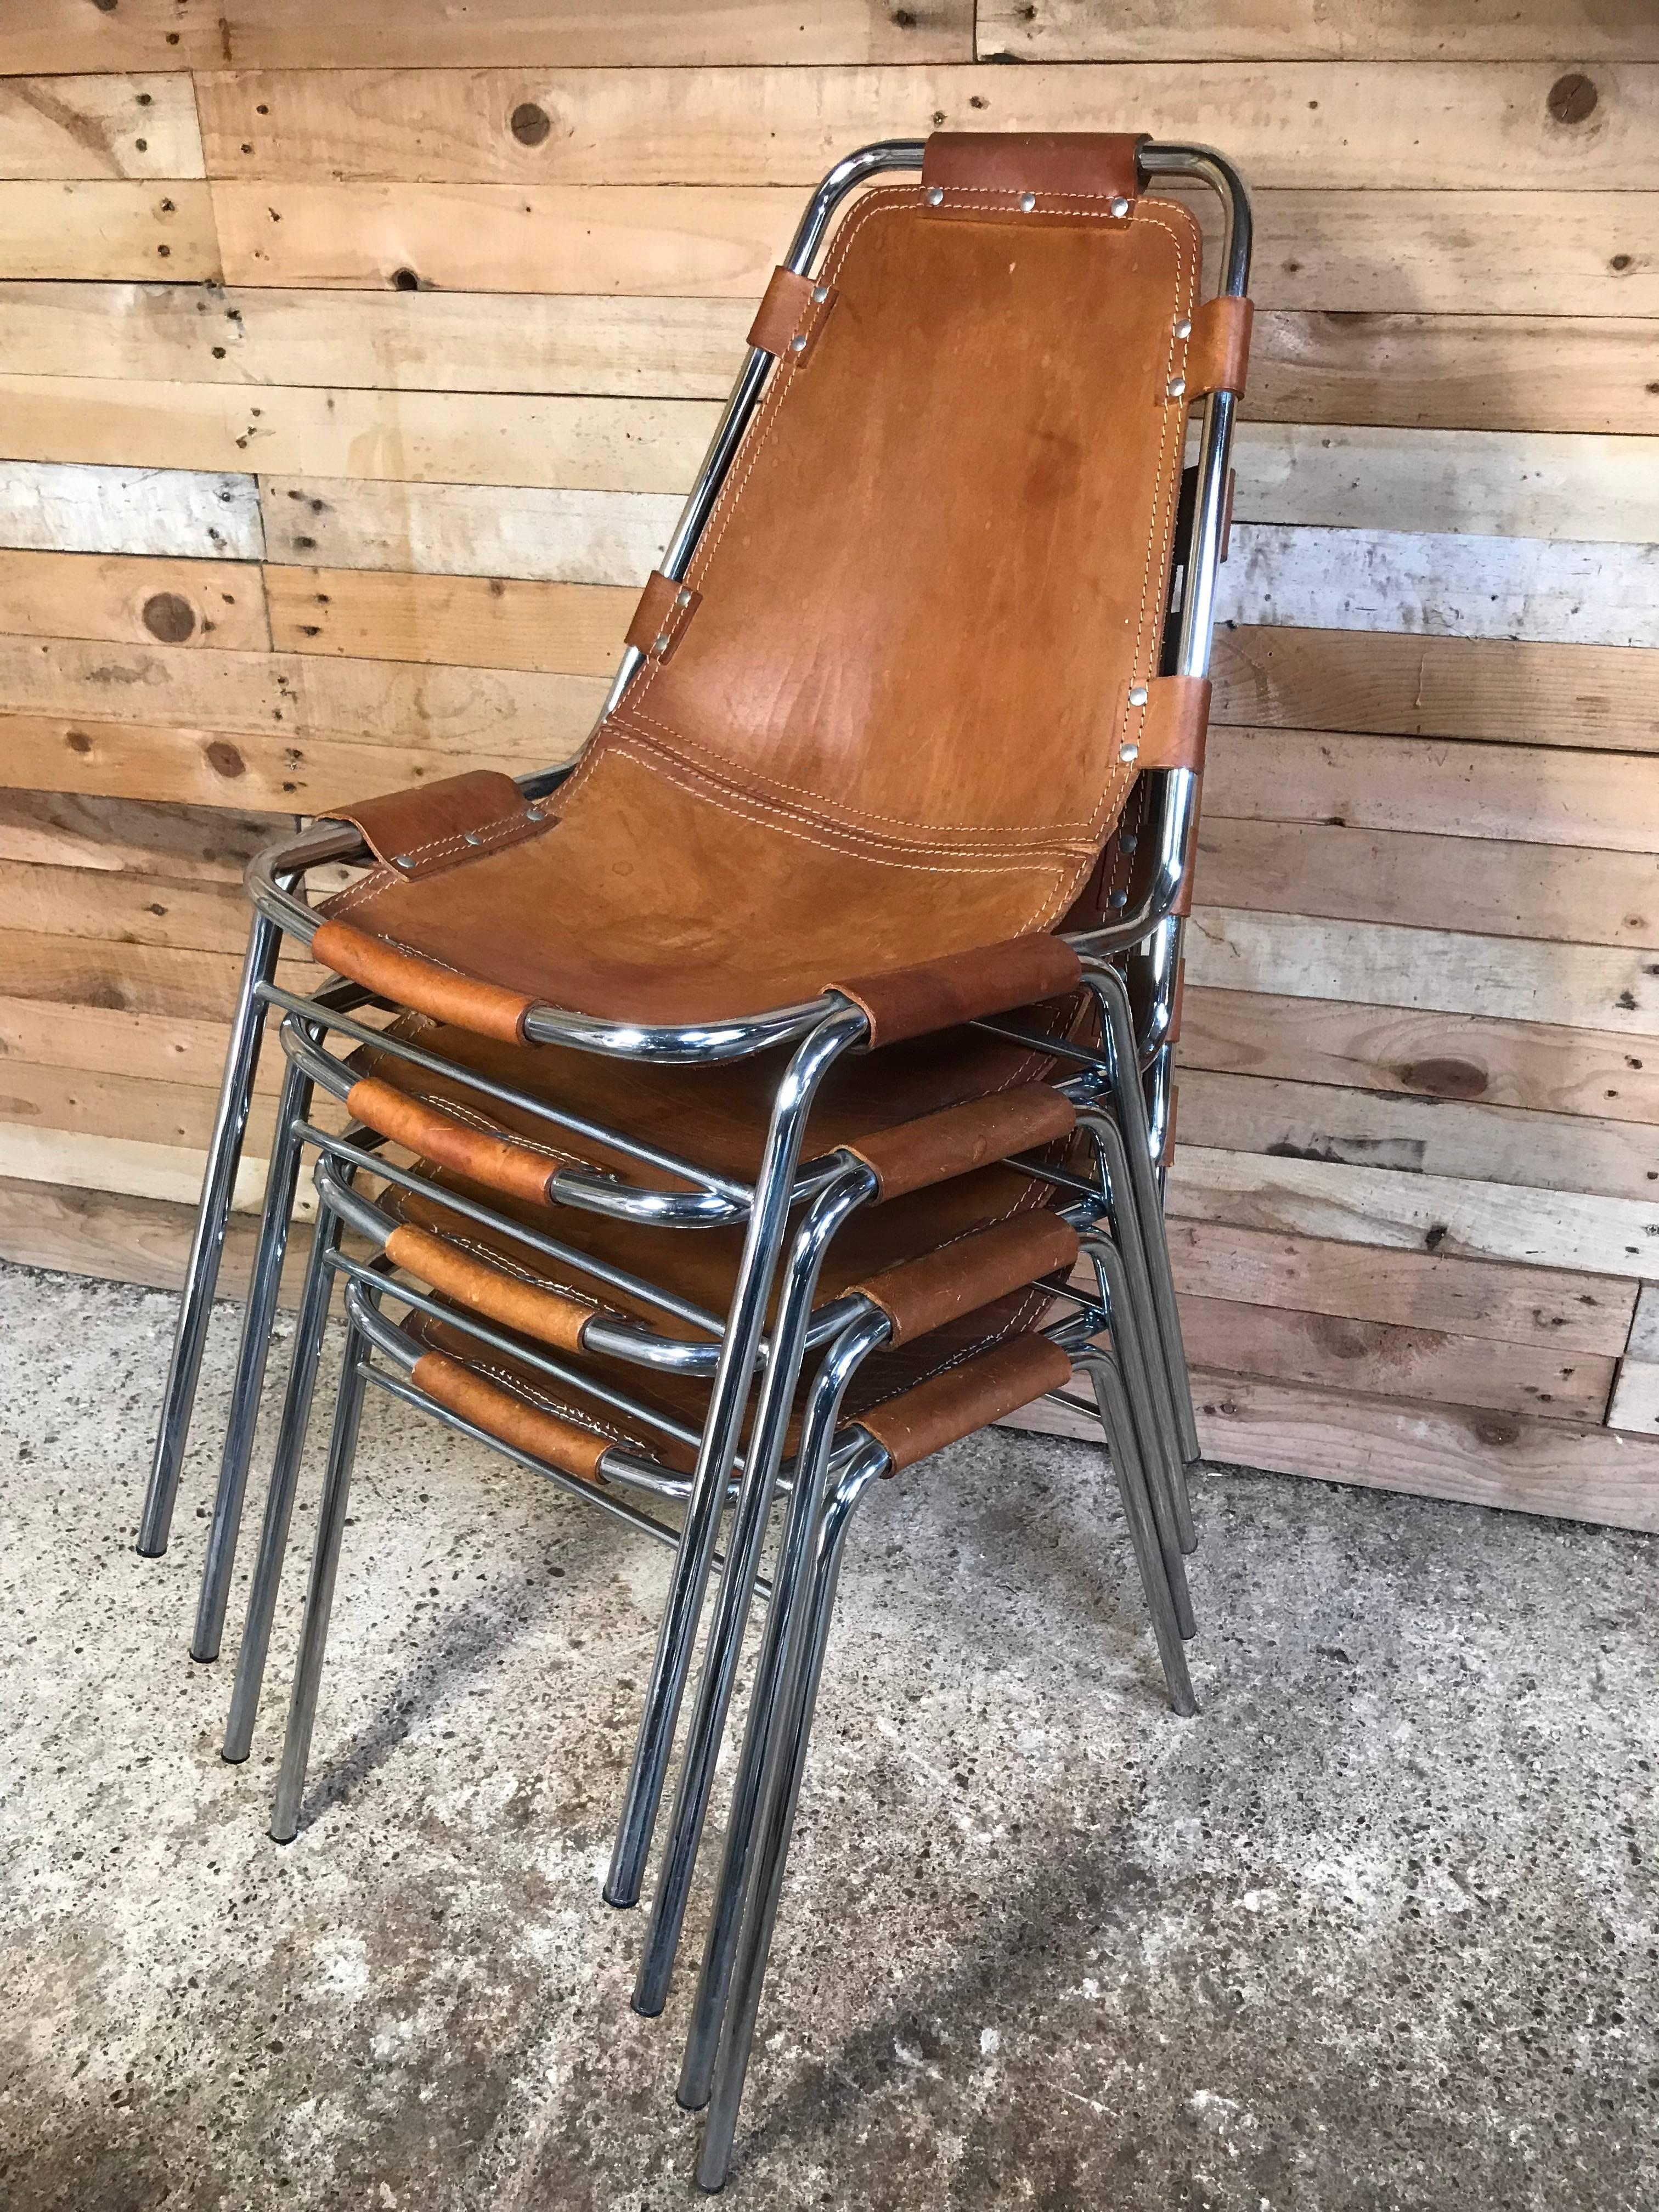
{"x":660,"y":620}
{"x":1055,"y":167}
{"x":1166,"y":724}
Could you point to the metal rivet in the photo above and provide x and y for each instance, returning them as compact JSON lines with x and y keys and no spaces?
{"x":1177,"y":385}
{"x":1028,"y":201}
{"x":820,"y":293}
{"x":1119,"y":899}
{"x":660,"y":641}
{"x":1138,"y":696}
{"x":1120,"y":207}
{"x":683,"y":599}
{"x":936,"y":197}
{"x":1127,"y":842}
{"x":473,"y":837}
{"x":403,"y":860}
{"x":1127,"y":753}
{"x":797,"y":343}
{"x":536,"y":814}
{"x":1183,"y":329}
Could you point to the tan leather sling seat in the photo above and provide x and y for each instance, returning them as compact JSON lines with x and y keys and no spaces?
{"x":892,"y":712}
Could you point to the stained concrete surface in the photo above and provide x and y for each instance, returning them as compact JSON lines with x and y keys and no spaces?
{"x":1376,"y":1930}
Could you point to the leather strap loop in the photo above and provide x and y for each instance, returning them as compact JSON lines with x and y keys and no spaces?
{"x":1174,"y":716}
{"x":922,"y":1295}
{"x":661,"y":615}
{"x":937,"y":994}
{"x":1218,"y":350}
{"x":575,"y":1451}
{"x":792,"y":312}
{"x":1061,"y":170}
{"x":915,"y":1155}
{"x":533,"y":1308}
{"x":403,"y":977}
{"x":966,"y":1398}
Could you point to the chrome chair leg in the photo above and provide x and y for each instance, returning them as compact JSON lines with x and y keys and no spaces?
{"x":728,"y":1402}
{"x":1117,"y":1022}
{"x":320,"y":1595}
{"x":1129,"y":1345}
{"x":724,"y":1643}
{"x":784,"y":1763}
{"x":1130,"y":1236}
{"x":836,"y":1371}
{"x":284,"y":1481}
{"x":1127,"y":1466}
{"x":257,"y":1317}
{"x":207,"y":1245}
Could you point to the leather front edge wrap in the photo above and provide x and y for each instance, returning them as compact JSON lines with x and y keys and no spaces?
{"x":937,"y":994}
{"x":533,"y":1308}
{"x":409,"y":981}
{"x":1174,"y":723}
{"x":924,"y":1294}
{"x":439,"y":825}
{"x":575,"y":1451}
{"x":661,"y":615}
{"x":1064,"y":164}
{"x":474,"y":1153}
{"x":966,"y":1398}
{"x":1218,"y":350}
{"x":915,"y":1155}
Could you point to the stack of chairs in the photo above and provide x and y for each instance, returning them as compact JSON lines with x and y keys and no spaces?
{"x":782,"y":1093}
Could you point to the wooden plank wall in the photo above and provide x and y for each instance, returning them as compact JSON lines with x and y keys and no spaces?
{"x":352,"y":360}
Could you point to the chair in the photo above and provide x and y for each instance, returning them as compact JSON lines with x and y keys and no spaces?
{"x":854,"y":793}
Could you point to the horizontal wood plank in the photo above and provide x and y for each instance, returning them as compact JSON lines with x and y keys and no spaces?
{"x":1287,"y":30}
{"x":1493,"y":483}
{"x":123,"y":909}
{"x":1422,"y":1054}
{"x":299,"y":694}
{"x":134,"y":979}
{"x":1400,"y":252}
{"x":495,"y":622}
{"x":190,"y":844}
{"x":1572,"y":1471}
{"x":1378,"y":964}
{"x":1334,"y":124}
{"x":1539,"y":1308}
{"x":1527,"y":794}
{"x":1458,"y":1138}
{"x":1339,"y":1354}
{"x":67,"y":34}
{"x":1432,"y":1214}
{"x":1412,"y":371}
{"x":469,"y":529}
{"x":157,"y":1049}
{"x":196,"y":768}
{"x":1563,"y":591}
{"x":136,"y":1167}
{"x":654,"y":349}
{"x":105,"y":229}
{"x":99,"y":127}
{"x":1501,"y":484}
{"x":620,"y":445}
{"x":1500,"y":889}
{"x":131,"y":600}
{"x":55,"y":508}
{"x":1308,"y":678}
{"x":1453,"y":371}
{"x":105,"y":1102}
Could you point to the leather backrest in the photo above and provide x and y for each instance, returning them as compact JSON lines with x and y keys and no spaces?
{"x":940,"y":564}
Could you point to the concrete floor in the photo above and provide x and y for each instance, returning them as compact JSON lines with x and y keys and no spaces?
{"x":1377,"y":1930}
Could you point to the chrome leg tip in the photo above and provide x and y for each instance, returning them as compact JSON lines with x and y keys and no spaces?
{"x":619,"y":1899}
